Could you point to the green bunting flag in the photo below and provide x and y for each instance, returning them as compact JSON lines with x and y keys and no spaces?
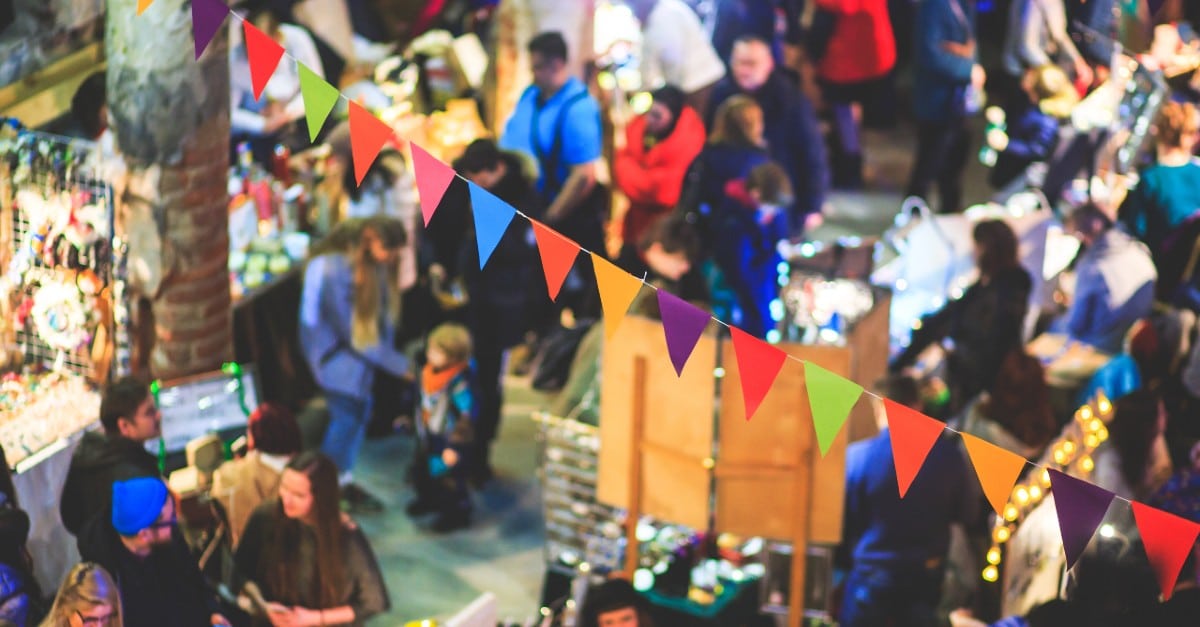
{"x":830,"y":398}
{"x":319,"y":98}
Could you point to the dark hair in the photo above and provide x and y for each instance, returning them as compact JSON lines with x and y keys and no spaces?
{"x":347,"y":235}
{"x":675,"y":234}
{"x":672,"y":98}
{"x":280,"y":556}
{"x":275,"y":430}
{"x":121,"y":400}
{"x":1019,"y":399}
{"x":1133,"y":430}
{"x":481,"y":154}
{"x":611,"y":596}
{"x":550,"y":45}
{"x":87,"y":102}
{"x":998,"y":246}
{"x":901,"y":389}
{"x":1090,"y":219}
{"x":771,"y":182}
{"x":752,"y":39}
{"x":280,"y":11}
{"x":1112,"y":581}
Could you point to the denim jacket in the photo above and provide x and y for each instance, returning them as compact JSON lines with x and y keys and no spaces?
{"x":326,"y":310}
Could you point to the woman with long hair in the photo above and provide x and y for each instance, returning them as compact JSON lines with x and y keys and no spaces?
{"x":88,"y":596}
{"x":985,"y":324}
{"x":1168,"y":192}
{"x":349,"y":310}
{"x":1015,"y":413}
{"x":1133,"y":462}
{"x":309,"y":565}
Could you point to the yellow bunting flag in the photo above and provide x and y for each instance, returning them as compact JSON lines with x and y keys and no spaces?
{"x":143,"y":5}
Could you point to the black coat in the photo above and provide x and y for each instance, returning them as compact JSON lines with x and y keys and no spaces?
{"x":97,"y":463}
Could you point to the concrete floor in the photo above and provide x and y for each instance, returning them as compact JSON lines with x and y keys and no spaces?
{"x":432,"y":576}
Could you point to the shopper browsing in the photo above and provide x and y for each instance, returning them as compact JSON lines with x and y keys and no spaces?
{"x":446,"y":426}
{"x":1032,"y":124}
{"x":88,"y":596}
{"x":130,"y":418}
{"x":302,"y":560}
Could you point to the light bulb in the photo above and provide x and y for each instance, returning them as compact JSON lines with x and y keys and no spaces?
{"x":1085,"y":412}
{"x":1102,"y":434}
{"x":1001,"y":535}
{"x":993,"y":556}
{"x":991,"y":574}
{"x":1068,"y":447}
{"x":1095,"y":425}
{"x":1060,"y":457}
{"x":1092,"y":440}
{"x":1103,"y":405}
{"x":1010,"y":513}
{"x":1021,"y":495}
{"x":1086,"y":464}
{"x":1045,"y":478}
{"x":1035,"y":493}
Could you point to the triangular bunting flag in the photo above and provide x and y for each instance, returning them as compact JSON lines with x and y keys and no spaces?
{"x":433,"y":179}
{"x":264,"y":54}
{"x":617,"y":290}
{"x":1080,"y":507}
{"x":1168,"y":540}
{"x":368,"y":134}
{"x":830,"y":398}
{"x":758,"y":366}
{"x":996,"y":468}
{"x":683,"y":324}
{"x":143,"y":5}
{"x":319,"y":98}
{"x":558,"y":256}
{"x":207,"y":17}
{"x":1155,"y":5}
{"x":913,"y":436}
{"x":492,"y":217}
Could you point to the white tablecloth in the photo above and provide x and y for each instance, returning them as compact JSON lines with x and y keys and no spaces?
{"x":39,"y":482}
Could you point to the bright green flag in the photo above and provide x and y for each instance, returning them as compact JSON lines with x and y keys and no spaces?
{"x":319,"y":98}
{"x":830,"y":398}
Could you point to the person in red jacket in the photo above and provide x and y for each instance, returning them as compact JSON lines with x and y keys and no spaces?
{"x":854,"y":69}
{"x":659,"y":147}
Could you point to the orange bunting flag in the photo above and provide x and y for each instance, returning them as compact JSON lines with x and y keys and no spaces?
{"x":913,"y":436}
{"x":558,"y":256}
{"x":433,"y":179}
{"x":759,"y":364}
{"x":830,"y":398}
{"x":997,"y":469}
{"x":143,"y":5}
{"x":368,"y":134}
{"x":1168,"y":540}
{"x":617,"y":290}
{"x":263,"y":54}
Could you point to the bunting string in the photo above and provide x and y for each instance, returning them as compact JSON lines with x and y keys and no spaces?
{"x":831,"y":396}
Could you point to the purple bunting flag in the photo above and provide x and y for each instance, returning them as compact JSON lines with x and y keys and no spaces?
{"x":207,"y":17}
{"x":1080,"y":507}
{"x":683,"y":324}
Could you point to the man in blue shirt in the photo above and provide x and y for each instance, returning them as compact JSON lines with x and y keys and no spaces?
{"x":557,"y":123}
{"x":897,"y":548}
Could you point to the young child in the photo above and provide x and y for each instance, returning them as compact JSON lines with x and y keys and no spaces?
{"x":753,"y":222}
{"x":445,"y":429}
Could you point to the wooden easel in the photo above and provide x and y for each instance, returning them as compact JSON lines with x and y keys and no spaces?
{"x":659,"y":437}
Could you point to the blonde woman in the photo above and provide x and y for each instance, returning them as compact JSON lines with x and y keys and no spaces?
{"x":1032,"y":123}
{"x":88,"y":596}
{"x":349,"y":309}
{"x":735,"y":147}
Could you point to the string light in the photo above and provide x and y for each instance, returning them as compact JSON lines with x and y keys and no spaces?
{"x":991,"y":574}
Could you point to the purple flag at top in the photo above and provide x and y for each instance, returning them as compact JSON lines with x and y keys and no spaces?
{"x":207,"y":17}
{"x":1155,"y":5}
{"x":683,"y":324}
{"x":1080,"y":507}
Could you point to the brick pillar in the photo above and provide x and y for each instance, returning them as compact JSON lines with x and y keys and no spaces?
{"x":170,"y":115}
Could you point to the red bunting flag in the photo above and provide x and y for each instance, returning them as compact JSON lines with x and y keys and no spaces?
{"x":264,"y":54}
{"x":913,"y":436}
{"x":558,"y":256}
{"x":996,"y":468}
{"x":368,"y":134}
{"x":759,"y":364}
{"x":1168,"y":540}
{"x":1080,"y":507}
{"x":433,"y":179}
{"x":683,"y":324}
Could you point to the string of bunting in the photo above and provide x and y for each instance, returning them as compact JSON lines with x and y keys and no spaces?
{"x":1080,"y":505}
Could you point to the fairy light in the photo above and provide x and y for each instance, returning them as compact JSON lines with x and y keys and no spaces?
{"x":1021,"y":495}
{"x":993,"y":556}
{"x":1086,"y":464}
{"x":991,"y":574}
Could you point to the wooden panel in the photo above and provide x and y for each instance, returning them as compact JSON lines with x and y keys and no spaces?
{"x":675,"y":487}
{"x":45,"y":95}
{"x":868,"y":344}
{"x":742,"y":499}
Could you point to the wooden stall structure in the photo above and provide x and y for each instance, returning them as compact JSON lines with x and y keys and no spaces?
{"x":680,"y":449}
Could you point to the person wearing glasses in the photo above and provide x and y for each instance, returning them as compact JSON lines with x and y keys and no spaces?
{"x":88,"y":598}
{"x":130,"y":418}
{"x":139,"y":543}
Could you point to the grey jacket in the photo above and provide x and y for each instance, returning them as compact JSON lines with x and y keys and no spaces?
{"x":1037,"y":35}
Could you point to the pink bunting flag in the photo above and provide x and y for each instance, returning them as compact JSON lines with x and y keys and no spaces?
{"x":1080,"y":507}
{"x":1168,"y":539}
{"x":433,"y":179}
{"x":759,"y":364}
{"x":264,"y":54}
{"x":683,"y":324}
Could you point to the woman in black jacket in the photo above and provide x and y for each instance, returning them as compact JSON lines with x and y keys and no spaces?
{"x":985,"y":324}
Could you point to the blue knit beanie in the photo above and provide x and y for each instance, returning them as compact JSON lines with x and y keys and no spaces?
{"x":136,"y":504}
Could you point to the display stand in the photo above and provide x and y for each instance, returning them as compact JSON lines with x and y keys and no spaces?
{"x":661,"y":435}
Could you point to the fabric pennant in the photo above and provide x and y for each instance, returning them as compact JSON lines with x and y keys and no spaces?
{"x":617,"y":290}
{"x":207,"y":17}
{"x":997,"y":469}
{"x":830,"y":397}
{"x":683,"y":324}
{"x":433,"y":179}
{"x":1155,"y":5}
{"x":558,"y":256}
{"x":143,"y":5}
{"x":492,"y":217}
{"x":263,"y":53}
{"x":759,"y":364}
{"x":368,"y":134}
{"x":1080,"y":507}
{"x":913,"y":436}
{"x":319,"y":99}
{"x":1168,"y":540}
